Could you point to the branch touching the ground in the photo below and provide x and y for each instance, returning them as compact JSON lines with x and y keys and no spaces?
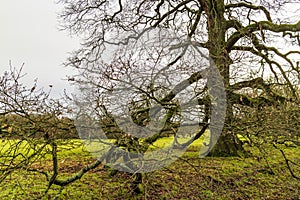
{"x":78,"y":175}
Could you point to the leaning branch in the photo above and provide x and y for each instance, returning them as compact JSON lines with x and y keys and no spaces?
{"x":182,"y":85}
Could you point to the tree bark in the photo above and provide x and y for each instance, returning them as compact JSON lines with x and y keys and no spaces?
{"x":228,"y":143}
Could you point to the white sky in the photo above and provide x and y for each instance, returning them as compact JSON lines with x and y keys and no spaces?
{"x":29,"y":35}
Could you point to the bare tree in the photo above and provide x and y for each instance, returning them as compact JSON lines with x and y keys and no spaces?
{"x":33,"y":126}
{"x":243,"y":38}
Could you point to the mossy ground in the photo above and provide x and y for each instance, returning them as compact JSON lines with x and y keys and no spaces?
{"x":190,"y":177}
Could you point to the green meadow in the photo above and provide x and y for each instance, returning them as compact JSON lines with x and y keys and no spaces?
{"x":189,"y":177}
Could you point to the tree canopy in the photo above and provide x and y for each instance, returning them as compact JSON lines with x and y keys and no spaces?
{"x":253,"y":46}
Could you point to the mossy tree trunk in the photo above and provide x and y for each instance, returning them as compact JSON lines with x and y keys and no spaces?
{"x":228,"y":143}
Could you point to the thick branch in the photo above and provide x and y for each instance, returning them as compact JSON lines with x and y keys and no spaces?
{"x":233,"y":24}
{"x":257,"y":83}
{"x":182,"y":85}
{"x":254,"y":83}
{"x":270,"y":63}
{"x":248,"y":101}
{"x":253,"y":7}
{"x":78,"y":175}
{"x":263,"y":25}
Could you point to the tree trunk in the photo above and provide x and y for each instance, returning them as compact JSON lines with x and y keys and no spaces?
{"x":228,"y":143}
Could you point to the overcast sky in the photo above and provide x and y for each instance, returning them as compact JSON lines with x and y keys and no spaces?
{"x":29,"y":35}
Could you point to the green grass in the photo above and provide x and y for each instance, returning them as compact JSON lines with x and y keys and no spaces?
{"x":188,"y":178}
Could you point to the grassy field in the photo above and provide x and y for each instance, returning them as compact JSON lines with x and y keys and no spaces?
{"x":188,"y":178}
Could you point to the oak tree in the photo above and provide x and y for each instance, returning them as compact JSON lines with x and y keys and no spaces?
{"x":250,"y":42}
